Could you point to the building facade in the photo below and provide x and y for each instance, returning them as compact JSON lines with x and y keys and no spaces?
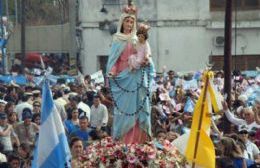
{"x":184,"y":35}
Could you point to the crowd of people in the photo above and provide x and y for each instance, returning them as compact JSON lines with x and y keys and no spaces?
{"x":86,"y":110}
{"x":134,"y":105}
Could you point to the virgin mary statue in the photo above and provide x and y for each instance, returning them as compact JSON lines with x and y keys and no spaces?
{"x":130,"y":89}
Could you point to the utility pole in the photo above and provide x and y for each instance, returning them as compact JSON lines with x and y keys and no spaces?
{"x":7,"y":8}
{"x":228,"y":60}
{"x":3,"y":40}
{"x":73,"y":46}
{"x":23,"y":24}
{"x":16,"y":12}
{"x":227,"y":51}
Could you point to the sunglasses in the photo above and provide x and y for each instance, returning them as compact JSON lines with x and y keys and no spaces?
{"x":243,"y":132}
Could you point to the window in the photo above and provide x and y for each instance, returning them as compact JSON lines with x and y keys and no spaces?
{"x":219,"y":5}
{"x":240,"y":62}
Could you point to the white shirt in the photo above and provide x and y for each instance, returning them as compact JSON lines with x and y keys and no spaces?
{"x":98,"y":116}
{"x":240,"y":122}
{"x":6,"y":140}
{"x":61,"y":110}
{"x":19,"y":109}
{"x":2,"y":158}
{"x":251,"y":150}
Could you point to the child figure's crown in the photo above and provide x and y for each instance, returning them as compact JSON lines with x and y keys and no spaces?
{"x":143,"y":27}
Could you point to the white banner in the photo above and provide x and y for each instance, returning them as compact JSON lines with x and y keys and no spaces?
{"x":98,"y":77}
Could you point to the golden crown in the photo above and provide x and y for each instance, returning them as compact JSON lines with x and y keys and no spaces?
{"x":130,"y":9}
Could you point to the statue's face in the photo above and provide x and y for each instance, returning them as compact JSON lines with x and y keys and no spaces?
{"x":128,"y":25}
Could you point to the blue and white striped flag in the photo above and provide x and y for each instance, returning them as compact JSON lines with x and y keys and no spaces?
{"x":52,"y":149}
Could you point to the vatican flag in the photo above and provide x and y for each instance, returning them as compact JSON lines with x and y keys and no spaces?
{"x":200,"y":150}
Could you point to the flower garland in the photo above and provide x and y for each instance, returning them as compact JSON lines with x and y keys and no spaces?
{"x":108,"y":153}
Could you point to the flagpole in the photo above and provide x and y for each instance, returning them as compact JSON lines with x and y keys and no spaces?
{"x":200,"y":120}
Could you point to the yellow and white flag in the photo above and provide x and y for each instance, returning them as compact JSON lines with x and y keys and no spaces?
{"x":200,"y":149}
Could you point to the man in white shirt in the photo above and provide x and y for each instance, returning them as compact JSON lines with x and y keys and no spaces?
{"x":248,"y":121}
{"x":26,"y":103}
{"x":251,"y":152}
{"x":99,"y":115}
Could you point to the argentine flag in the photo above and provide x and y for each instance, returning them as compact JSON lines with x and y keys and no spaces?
{"x":52,"y":149}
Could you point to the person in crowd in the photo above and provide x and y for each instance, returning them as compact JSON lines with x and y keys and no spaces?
{"x":231,"y":150}
{"x":14,"y":161}
{"x":251,"y":151}
{"x":13,"y":118}
{"x":36,"y":107}
{"x":12,"y":94}
{"x":76,"y":146}
{"x":89,"y":97}
{"x":61,"y":110}
{"x":6,"y":134}
{"x":2,"y":106}
{"x":58,"y":97}
{"x":9,"y":107}
{"x":256,"y":109}
{"x":36,"y":118}
{"x":99,"y":115}
{"x":88,"y":83}
{"x":37,"y":95}
{"x":105,"y":97}
{"x":27,"y":130}
{"x":170,"y":77}
{"x":3,"y":158}
{"x":159,"y":140}
{"x":72,"y":123}
{"x":171,"y":136}
{"x":248,"y":121}
{"x":25,"y":155}
{"x":26,"y":103}
{"x":83,"y":132}
{"x":224,"y":162}
{"x":60,"y":103}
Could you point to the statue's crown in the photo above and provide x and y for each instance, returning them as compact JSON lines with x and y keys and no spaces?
{"x":130,"y":9}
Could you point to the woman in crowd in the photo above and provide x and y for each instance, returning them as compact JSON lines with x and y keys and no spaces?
{"x":72,"y":123}
{"x":232,"y":152}
{"x":25,"y":155}
{"x":13,"y":118}
{"x":36,"y":118}
{"x":76,"y":146}
{"x":9,"y":107}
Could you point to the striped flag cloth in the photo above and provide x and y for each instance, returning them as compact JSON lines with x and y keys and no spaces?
{"x":52,"y":148}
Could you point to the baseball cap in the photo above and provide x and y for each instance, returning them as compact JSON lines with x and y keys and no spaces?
{"x":243,"y":130}
{"x":27,"y":113}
